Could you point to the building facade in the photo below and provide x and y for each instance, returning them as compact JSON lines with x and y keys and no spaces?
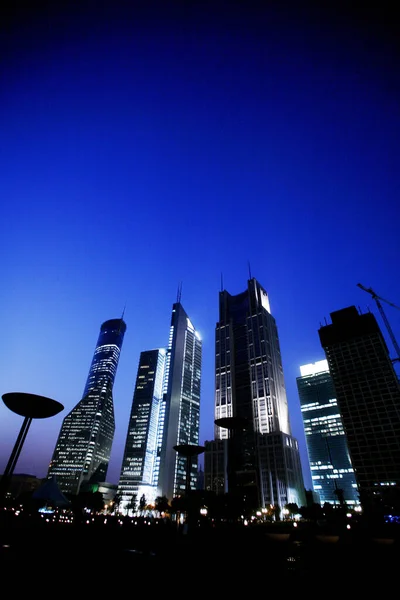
{"x":182,"y":403}
{"x":368,"y":396}
{"x":264,"y":459}
{"x":332,"y":473}
{"x":141,"y":460}
{"x":83,"y":448}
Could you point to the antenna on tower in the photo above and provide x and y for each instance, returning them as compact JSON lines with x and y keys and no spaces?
{"x":121,"y":319}
{"x":179,"y":293}
{"x":222,"y":283}
{"x":248,"y":264}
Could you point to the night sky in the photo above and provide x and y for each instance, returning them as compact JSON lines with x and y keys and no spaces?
{"x":148,"y":144}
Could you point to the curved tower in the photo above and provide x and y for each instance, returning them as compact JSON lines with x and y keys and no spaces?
{"x":83,"y":448}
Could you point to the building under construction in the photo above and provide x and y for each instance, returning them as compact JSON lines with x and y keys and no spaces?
{"x":368,"y":396}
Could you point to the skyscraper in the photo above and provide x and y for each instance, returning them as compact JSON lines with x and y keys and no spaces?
{"x":165,"y":413}
{"x":332,"y":473}
{"x":141,"y":461}
{"x":368,"y":396}
{"x":250,"y":386}
{"x":83,"y":448}
{"x":182,"y":403}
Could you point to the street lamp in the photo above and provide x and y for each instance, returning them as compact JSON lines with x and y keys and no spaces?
{"x":189,"y":451}
{"x":232,"y":424}
{"x":29,"y":406}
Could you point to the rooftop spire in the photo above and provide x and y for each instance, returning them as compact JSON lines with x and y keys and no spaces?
{"x":248,"y":264}
{"x":179,"y":293}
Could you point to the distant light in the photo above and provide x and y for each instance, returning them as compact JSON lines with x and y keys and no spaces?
{"x":348,"y":526}
{"x":294,"y":524}
{"x":314,"y":368}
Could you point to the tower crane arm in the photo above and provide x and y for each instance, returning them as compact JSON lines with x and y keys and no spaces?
{"x":375,"y":296}
{"x":384,"y":317}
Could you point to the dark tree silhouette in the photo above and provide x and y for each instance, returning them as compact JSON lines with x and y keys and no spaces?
{"x":292,"y":508}
{"x":132,"y":503}
{"x":92,"y":501}
{"x":142,"y":503}
{"x":162,"y":504}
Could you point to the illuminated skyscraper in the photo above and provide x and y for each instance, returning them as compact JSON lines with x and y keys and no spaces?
{"x":368,"y":396}
{"x":165,"y":413}
{"x":141,"y":461}
{"x":332,"y":473}
{"x":83,"y":448}
{"x":250,"y":386}
{"x":182,"y":403}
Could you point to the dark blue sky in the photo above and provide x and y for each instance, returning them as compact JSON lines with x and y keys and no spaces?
{"x":143,"y":147}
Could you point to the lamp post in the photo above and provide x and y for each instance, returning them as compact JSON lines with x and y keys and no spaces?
{"x":189,"y":451}
{"x":232,"y":424}
{"x":29,"y":406}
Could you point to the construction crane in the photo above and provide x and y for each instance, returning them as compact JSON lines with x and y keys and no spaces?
{"x":384,"y":317}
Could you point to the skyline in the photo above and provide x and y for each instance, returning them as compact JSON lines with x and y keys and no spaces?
{"x":143,"y":152}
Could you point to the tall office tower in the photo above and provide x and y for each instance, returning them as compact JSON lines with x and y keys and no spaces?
{"x":83,"y":448}
{"x":182,"y":403}
{"x":368,"y":396}
{"x":264,"y":457}
{"x":141,"y":461}
{"x":332,"y":473}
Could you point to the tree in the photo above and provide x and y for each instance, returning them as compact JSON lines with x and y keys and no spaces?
{"x":162,"y":504}
{"x":92,"y":501}
{"x":142,"y":503}
{"x":132,"y":503}
{"x":276,"y":510}
{"x":116,"y":502}
{"x":339,"y":493}
{"x":292,"y":509}
{"x":312,"y":513}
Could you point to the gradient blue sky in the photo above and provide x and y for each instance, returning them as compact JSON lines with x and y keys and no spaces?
{"x":143,"y":147}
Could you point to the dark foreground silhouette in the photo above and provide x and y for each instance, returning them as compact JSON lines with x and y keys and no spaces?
{"x":208,"y":559}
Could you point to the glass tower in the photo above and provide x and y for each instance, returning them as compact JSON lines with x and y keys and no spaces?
{"x":368,"y":396}
{"x":181,"y":403}
{"x":83,"y":448}
{"x":331,"y":469}
{"x":249,"y":385}
{"x":141,"y":461}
